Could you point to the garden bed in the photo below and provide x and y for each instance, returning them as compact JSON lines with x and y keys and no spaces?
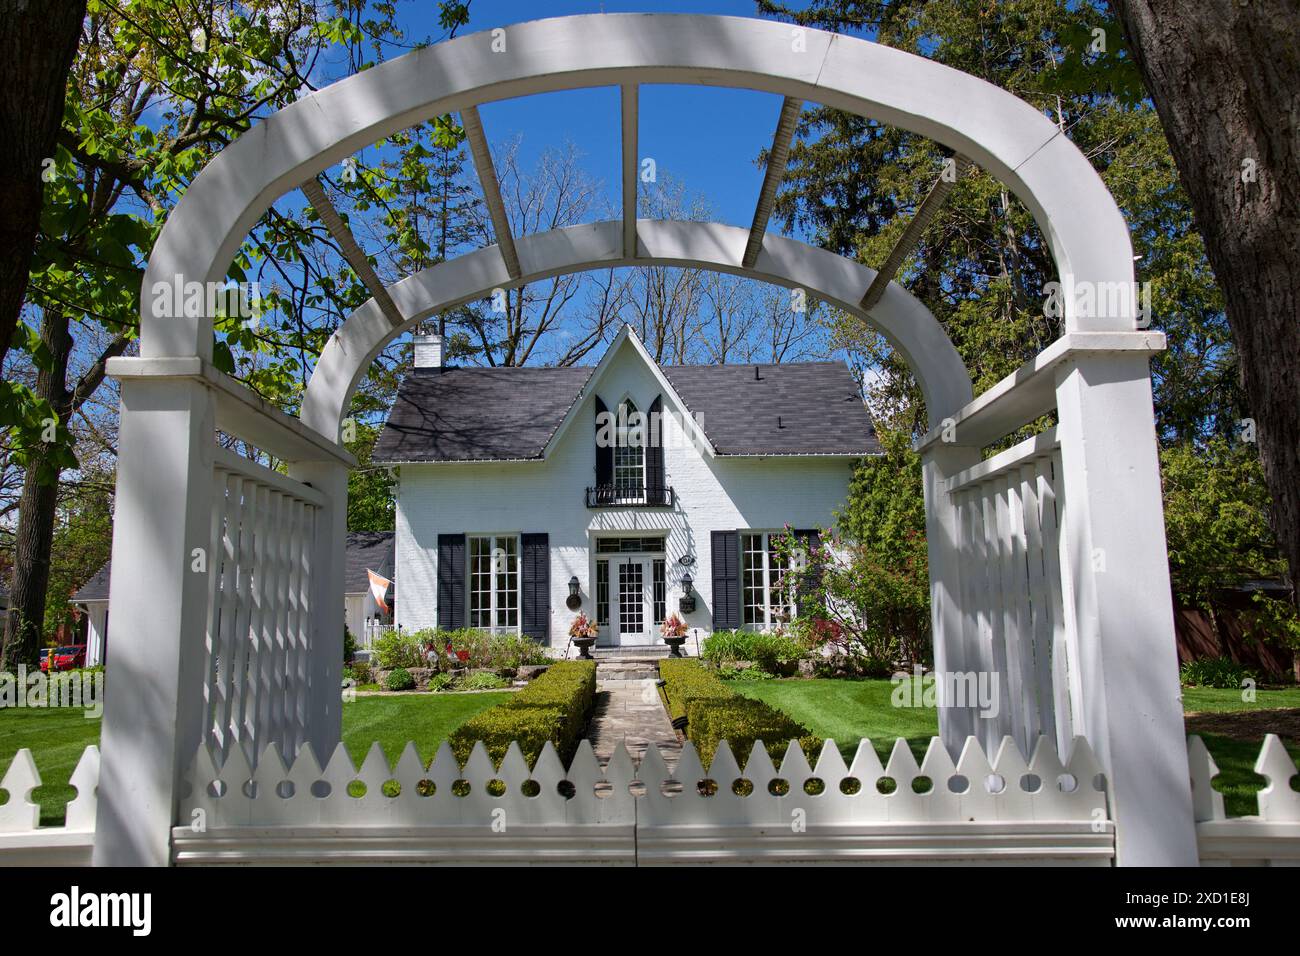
{"x":448,"y":660}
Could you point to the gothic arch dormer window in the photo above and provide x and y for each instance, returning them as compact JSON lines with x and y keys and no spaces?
{"x":629,"y":453}
{"x":629,"y":456}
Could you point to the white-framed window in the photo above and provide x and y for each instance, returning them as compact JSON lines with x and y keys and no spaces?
{"x":629,"y":453}
{"x":765,"y":599}
{"x":494,"y":582}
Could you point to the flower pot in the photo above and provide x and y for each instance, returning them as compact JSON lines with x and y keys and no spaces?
{"x":584,"y":647}
{"x":675,"y":645}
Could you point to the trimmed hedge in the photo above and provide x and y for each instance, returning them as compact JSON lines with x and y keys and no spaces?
{"x":686,"y":681}
{"x":715,"y":713}
{"x":741,"y":721}
{"x":553,"y":707}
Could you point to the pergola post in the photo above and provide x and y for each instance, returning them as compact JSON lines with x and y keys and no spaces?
{"x":1132,"y":704}
{"x":940,"y":462}
{"x":154,"y":683}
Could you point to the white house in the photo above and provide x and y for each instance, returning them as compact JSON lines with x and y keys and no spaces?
{"x":526,"y":495}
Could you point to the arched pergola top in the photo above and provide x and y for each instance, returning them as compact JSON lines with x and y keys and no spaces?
{"x":1001,"y":133}
{"x":908,"y":325}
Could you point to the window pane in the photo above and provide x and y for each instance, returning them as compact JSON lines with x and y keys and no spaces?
{"x":661,"y":591}
{"x":778,"y":598}
{"x":480,"y":582}
{"x":751,"y":579}
{"x":507,"y":554}
{"x":602,"y":592}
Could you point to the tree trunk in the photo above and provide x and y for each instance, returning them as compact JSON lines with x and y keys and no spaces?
{"x":25,"y":621}
{"x":1225,"y":78}
{"x":38,"y":39}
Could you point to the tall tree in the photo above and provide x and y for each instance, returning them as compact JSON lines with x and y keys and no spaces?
{"x":160,"y":87}
{"x":1225,"y":78}
{"x":38,"y":39}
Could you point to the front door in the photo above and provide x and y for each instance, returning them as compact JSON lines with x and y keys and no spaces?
{"x":632,"y":619}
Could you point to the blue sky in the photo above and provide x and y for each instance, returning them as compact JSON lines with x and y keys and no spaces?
{"x":706,"y":138}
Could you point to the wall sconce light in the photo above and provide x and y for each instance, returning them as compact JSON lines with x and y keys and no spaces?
{"x":687,"y":602}
{"x":574,"y":600}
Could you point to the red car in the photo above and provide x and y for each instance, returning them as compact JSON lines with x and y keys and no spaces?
{"x":66,"y":658}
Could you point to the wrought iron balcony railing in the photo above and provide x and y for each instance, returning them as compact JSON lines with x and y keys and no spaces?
{"x":614,"y":496}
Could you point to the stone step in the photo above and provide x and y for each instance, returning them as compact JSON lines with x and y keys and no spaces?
{"x":648,"y":653}
{"x":627,"y":670}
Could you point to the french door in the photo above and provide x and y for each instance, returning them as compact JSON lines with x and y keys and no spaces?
{"x":631,"y":617}
{"x":631,"y":597}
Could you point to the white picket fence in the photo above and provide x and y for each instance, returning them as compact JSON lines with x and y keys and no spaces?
{"x":1270,"y":839}
{"x":1006,"y":811}
{"x":23,"y":841}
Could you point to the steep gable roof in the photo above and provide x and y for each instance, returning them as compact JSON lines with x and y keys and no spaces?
{"x":477,"y":414}
{"x":799,"y":408}
{"x":513,"y":414}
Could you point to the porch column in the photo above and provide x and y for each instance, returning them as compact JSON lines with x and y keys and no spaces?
{"x":325,"y":660}
{"x":939,"y":462}
{"x":153,"y":706}
{"x":1118,"y":564}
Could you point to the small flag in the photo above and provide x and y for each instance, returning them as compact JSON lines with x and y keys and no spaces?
{"x":379,"y":587}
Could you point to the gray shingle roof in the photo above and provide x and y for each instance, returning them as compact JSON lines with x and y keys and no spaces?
{"x":365,"y":549}
{"x":799,"y":408}
{"x":502,"y":414}
{"x":478,"y":414}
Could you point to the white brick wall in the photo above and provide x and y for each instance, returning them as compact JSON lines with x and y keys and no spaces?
{"x":517,"y":497}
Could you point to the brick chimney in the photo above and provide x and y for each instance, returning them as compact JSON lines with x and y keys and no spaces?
{"x":428,"y":351}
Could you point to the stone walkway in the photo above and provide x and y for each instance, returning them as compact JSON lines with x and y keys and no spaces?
{"x":630,"y":711}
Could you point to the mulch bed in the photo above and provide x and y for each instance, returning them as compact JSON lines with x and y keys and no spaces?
{"x":1249,"y":725}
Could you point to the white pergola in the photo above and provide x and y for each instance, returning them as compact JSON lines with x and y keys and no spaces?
{"x":1068,"y":603}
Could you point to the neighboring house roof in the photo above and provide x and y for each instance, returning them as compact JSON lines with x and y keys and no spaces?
{"x":511,"y":414}
{"x":371,"y":550}
{"x":367,"y":550}
{"x":96,"y":589}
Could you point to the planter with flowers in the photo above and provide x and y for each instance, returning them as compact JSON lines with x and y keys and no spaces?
{"x":583,"y":631}
{"x":674,"y":632}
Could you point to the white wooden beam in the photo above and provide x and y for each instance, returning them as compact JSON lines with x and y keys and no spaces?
{"x":1030,"y":390}
{"x":631,"y":119}
{"x":777,"y":158}
{"x":929,"y":208}
{"x":315,"y":194}
{"x":487,"y":177}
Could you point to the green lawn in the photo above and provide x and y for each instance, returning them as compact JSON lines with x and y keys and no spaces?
{"x":848,"y":711}
{"x":1213,"y":700}
{"x":57,"y":736}
{"x":426,"y":719}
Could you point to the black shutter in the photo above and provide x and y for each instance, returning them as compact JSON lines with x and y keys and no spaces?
{"x":451,"y":581}
{"x":535,"y":582}
{"x":655,"y":483}
{"x":726,"y":580}
{"x":812,"y":598}
{"x":605,"y":451}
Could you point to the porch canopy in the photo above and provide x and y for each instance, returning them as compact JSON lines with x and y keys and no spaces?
{"x":1068,"y":604}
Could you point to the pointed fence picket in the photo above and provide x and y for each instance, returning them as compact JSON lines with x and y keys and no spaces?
{"x":23,"y":841}
{"x":1272,"y":838}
